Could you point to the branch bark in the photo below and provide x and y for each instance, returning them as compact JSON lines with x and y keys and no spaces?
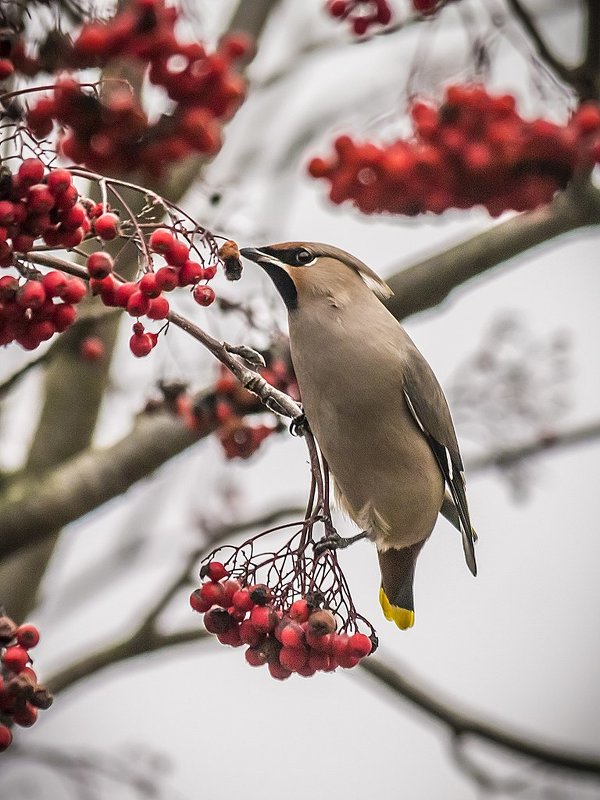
{"x":463,"y":724}
{"x":429,"y":282}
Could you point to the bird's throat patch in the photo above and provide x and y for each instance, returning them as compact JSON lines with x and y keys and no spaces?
{"x":283,"y":283}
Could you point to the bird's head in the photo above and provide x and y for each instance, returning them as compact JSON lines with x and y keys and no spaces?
{"x":301,"y":270}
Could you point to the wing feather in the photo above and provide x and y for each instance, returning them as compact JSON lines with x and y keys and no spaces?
{"x":429,"y":408}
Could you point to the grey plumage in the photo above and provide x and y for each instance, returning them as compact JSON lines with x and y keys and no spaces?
{"x":375,"y":407}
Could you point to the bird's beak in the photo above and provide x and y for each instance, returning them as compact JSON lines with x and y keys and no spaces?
{"x":259,"y":257}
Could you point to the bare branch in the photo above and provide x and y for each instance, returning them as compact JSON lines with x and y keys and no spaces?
{"x":33,"y":507}
{"x":539,"y":42}
{"x":429,"y":282}
{"x":463,"y":724}
{"x":505,"y":458}
{"x":142,"y":642}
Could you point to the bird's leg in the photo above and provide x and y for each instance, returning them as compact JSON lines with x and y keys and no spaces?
{"x":333,"y":541}
{"x":299,"y":426}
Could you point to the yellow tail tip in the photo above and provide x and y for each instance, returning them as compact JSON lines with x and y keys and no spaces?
{"x":403,"y":617}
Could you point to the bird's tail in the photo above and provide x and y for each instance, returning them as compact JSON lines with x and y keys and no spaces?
{"x":397,"y":567}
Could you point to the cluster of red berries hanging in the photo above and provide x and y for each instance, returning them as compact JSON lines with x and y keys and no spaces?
{"x":360,"y":14}
{"x":300,"y":638}
{"x":227,"y":409}
{"x":472,"y":149}
{"x":145,"y":297}
{"x":21,"y":696}
{"x":109,"y":131}
{"x":39,"y":207}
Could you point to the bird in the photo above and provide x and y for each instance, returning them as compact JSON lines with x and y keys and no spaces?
{"x":375,"y":408}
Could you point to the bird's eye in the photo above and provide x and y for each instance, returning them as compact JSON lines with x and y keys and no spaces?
{"x":304,"y":257}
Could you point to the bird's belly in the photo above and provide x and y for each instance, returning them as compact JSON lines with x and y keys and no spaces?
{"x":387,"y":482}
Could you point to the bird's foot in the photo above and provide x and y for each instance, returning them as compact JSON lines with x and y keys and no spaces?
{"x":333,"y":541}
{"x":299,"y":426}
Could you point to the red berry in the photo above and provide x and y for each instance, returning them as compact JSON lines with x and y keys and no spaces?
{"x":190,"y":273}
{"x":15,"y":658}
{"x":360,"y":645}
{"x":292,"y":635}
{"x":161,"y":240}
{"x":5,"y":737}
{"x":208,"y":273}
{"x":242,"y":601}
{"x":123,"y":292}
{"x":75,"y":291}
{"x":337,"y":8}
{"x":255,"y":656}
{"x":263,"y":618}
{"x":138,"y":304}
{"x":6,"y":70}
{"x":64,"y":316}
{"x":66,"y":199}
{"x":107,"y":226}
{"x":99,"y":264}
{"x":74,"y":217}
{"x":320,"y":662}
{"x":31,"y":171}
{"x":204,"y":295}
{"x":158,"y":308}
{"x":92,"y":348}
{"x":39,"y":199}
{"x":214,"y":593}
{"x":140,"y":345}
{"x":27,"y":636}
{"x":230,"y":587}
{"x":22,"y":242}
{"x":198,"y":603}
{"x":26,"y":716}
{"x":147,"y":285}
{"x":177,"y":254}
{"x":293,"y":658}
{"x":231,"y":636}
{"x":215,"y":571}
{"x":321,"y":644}
{"x":58,"y":180}
{"x":31,"y":295}
{"x":166,"y":279}
{"x":299,"y":611}
{"x":249,"y":634}
{"x":279,"y":672}
{"x":7,"y":212}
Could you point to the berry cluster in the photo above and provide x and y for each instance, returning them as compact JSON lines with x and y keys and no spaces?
{"x":20,"y":694}
{"x":145,"y":297}
{"x":361,"y":14}
{"x":300,"y":638}
{"x":473,"y":149}
{"x":228,"y":407}
{"x":111,"y":131}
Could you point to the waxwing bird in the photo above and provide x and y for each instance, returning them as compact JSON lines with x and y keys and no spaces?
{"x":375,"y":408}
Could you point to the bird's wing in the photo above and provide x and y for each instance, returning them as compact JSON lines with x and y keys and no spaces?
{"x":429,"y":408}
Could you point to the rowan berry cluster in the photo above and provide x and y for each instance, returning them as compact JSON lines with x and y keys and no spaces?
{"x":145,"y":296}
{"x":35,"y":205}
{"x":473,"y":149}
{"x":20,"y":694}
{"x":227,"y":408}
{"x":360,"y":14}
{"x":298,"y":638}
{"x":110,"y":131}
